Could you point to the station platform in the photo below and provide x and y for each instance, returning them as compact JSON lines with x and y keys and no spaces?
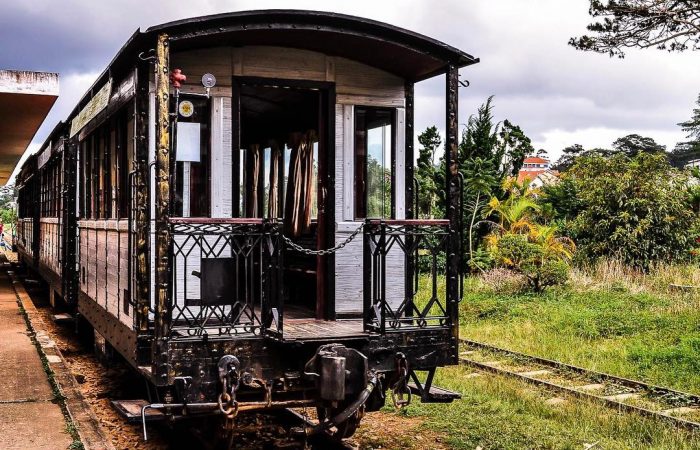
{"x":29,"y":418}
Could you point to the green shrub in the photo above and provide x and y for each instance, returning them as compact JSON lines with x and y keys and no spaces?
{"x":530,"y":259}
{"x":634,"y":210}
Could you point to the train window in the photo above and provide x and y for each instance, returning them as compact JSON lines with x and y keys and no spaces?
{"x":82,"y":185}
{"x":50,"y":189}
{"x":125,"y":159}
{"x":374,"y":155}
{"x":95,"y":176}
{"x":192,"y":157}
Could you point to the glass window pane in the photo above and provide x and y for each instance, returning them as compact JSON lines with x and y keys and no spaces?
{"x":373,"y":162}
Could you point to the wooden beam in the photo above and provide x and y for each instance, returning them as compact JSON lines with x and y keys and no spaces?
{"x":162,"y":210}
{"x":141,"y":201}
{"x":452,"y":189}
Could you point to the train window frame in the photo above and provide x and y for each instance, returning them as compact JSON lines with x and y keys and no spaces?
{"x":360,"y":160}
{"x":200,"y":171}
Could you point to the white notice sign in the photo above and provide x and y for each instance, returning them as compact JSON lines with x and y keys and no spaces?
{"x":187,"y":146}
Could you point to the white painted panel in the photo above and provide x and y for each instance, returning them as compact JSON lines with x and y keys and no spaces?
{"x":339,"y":176}
{"x":221,"y":161}
{"x":348,"y":162}
{"x":188,"y":147}
{"x":400,"y":176}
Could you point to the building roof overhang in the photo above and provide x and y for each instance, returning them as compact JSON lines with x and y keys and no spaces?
{"x":25,"y":100}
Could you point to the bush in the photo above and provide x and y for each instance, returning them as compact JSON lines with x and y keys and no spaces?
{"x":634,"y":210}
{"x":531,"y":259}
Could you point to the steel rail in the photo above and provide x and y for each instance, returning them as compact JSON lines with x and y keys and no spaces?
{"x":653,"y":392}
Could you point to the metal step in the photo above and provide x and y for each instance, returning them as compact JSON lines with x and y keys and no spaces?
{"x":131,"y":411}
{"x":62,"y":318}
{"x":435,"y":394}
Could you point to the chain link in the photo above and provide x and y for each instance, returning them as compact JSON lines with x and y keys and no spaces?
{"x":328,"y":251}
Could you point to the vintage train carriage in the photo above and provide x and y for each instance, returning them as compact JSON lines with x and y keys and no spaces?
{"x":231,"y":206}
{"x":42,"y":213}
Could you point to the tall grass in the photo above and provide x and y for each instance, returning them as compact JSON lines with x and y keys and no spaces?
{"x":662,"y":278}
{"x":608,"y":317}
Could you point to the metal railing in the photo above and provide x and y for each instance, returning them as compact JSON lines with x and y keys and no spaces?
{"x":412,"y":247}
{"x":226,"y":277}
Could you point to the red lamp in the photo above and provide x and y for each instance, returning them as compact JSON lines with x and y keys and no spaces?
{"x":177,"y":78}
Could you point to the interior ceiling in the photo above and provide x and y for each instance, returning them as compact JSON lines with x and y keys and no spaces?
{"x":25,"y":100}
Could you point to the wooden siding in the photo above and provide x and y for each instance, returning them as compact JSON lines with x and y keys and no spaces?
{"x":103,"y":262}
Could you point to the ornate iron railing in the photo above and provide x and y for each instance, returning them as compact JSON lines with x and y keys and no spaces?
{"x":226,"y":277}
{"x":410,"y":247}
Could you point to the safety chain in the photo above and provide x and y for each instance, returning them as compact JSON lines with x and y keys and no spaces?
{"x":230,"y":381}
{"x":400,"y":392}
{"x":328,"y":251}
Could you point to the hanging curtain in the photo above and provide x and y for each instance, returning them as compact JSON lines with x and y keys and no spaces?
{"x":273,"y":204}
{"x":300,"y":188}
{"x":253,"y":168}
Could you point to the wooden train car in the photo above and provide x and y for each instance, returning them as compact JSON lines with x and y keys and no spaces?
{"x":231,"y":206}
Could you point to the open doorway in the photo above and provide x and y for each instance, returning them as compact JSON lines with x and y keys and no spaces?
{"x":281,"y":171}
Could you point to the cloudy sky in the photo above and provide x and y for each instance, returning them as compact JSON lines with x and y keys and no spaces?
{"x":559,"y":96}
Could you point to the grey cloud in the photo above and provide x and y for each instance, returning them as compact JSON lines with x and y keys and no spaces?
{"x":539,"y":82}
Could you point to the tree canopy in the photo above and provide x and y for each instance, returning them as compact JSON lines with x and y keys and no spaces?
{"x":672,"y":25}
{"x":634,"y":144}
{"x":689,"y":150}
{"x":429,"y":141}
{"x":633,"y":209}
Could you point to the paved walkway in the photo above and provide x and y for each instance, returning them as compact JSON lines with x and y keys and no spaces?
{"x":28,"y":418}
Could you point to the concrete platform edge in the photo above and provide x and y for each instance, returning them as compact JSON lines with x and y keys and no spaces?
{"x":80,"y":415}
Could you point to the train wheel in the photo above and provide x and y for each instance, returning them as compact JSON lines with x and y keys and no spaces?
{"x":345,"y":429}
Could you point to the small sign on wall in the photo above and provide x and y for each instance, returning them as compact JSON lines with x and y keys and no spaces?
{"x":188,"y":141}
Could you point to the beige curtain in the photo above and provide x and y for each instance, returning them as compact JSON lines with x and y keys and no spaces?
{"x":273,"y":209}
{"x":300,"y":188}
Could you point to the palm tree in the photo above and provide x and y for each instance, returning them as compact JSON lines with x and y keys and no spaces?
{"x":479,"y":180}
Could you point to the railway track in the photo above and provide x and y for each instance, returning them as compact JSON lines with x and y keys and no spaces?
{"x":681,"y":409}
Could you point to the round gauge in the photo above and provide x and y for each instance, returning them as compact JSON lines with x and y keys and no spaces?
{"x":208,"y":80}
{"x":186,"y":108}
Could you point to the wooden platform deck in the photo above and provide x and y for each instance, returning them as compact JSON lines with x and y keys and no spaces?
{"x":312,"y":329}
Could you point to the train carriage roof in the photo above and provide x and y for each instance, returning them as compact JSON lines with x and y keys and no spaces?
{"x":409,"y":55}
{"x":404,"y":53}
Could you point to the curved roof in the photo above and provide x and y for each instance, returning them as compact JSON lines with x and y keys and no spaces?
{"x":407,"y":54}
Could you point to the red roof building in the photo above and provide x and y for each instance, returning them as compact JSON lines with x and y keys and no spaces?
{"x":533,"y":167}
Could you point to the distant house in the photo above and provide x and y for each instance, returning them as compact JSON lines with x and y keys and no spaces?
{"x":538,"y":171}
{"x":693,"y":163}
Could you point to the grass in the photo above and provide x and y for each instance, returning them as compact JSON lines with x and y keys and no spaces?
{"x":607,"y":318}
{"x":499,"y":413}
{"x":639,"y":329}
